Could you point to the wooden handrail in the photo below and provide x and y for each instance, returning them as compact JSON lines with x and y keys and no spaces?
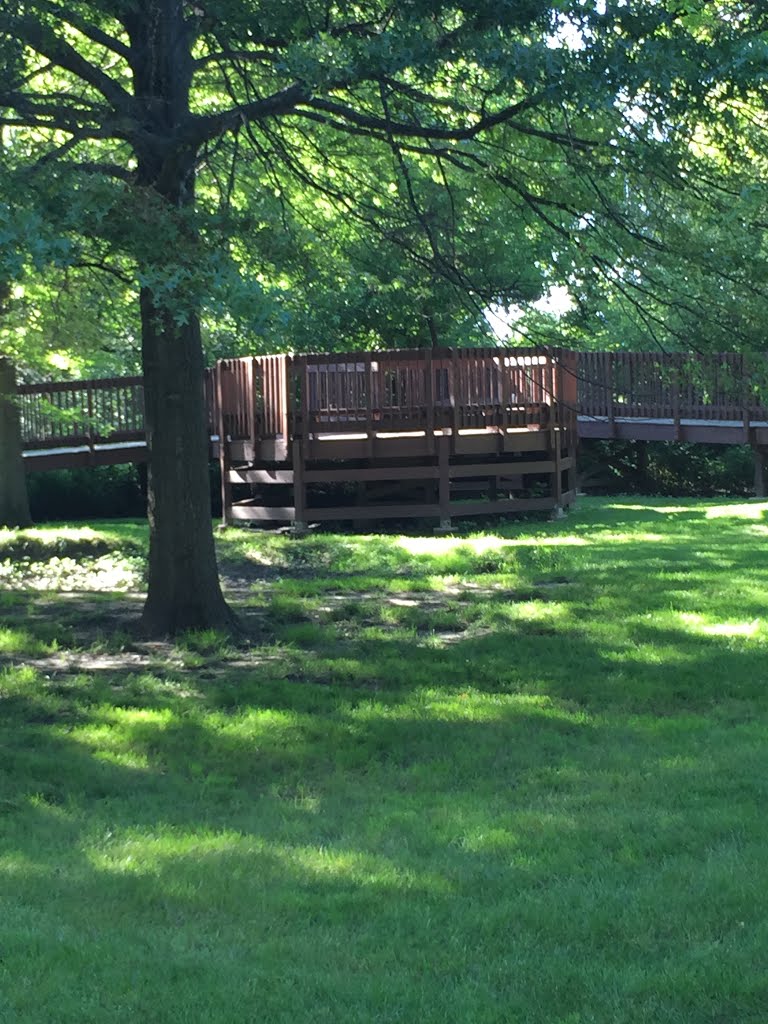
{"x":85,"y":412}
{"x":279,"y":396}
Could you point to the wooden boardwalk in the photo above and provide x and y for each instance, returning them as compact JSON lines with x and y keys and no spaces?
{"x":427,"y":433}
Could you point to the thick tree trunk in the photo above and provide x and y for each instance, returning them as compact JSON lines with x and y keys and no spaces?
{"x":14,"y":503}
{"x":183,"y":589}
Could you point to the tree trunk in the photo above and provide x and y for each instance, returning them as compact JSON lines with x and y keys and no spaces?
{"x":14,"y":503}
{"x":183,"y":588}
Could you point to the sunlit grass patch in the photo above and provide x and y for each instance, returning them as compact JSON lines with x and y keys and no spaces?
{"x":207,"y":641}
{"x":699,"y":624}
{"x":23,"y":642}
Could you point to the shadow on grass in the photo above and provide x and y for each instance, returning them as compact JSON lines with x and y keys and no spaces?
{"x":553,"y":817}
{"x":356,"y":860}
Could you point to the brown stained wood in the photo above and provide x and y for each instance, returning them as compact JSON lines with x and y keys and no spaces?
{"x":35,"y":462}
{"x":487,"y":443}
{"x":299,"y":483}
{"x":505,"y":468}
{"x":304,"y":396}
{"x":614,"y":399}
{"x":444,"y":480}
{"x":402,"y":446}
{"x":367,"y":473}
{"x":703,"y":432}
{"x":224,"y":454}
{"x":257,"y":424}
{"x":429,"y":397}
{"x":453,"y":374}
{"x":262,"y":513}
{"x":260,"y":476}
{"x":557,"y":475}
{"x":393,"y":511}
{"x":267,"y":402}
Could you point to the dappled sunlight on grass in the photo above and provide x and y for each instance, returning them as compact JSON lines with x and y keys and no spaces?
{"x":54,"y":535}
{"x":752,"y":510}
{"x":22,"y":641}
{"x":438,"y":547}
{"x":664,"y":510}
{"x":513,"y":775}
{"x":699,"y":624}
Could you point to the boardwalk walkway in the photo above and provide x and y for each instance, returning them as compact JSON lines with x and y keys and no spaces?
{"x":721,"y":399}
{"x":400,"y":405}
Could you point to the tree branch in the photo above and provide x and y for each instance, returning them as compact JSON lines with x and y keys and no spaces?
{"x":205,"y":127}
{"x":45,"y":42}
{"x":92,"y":32}
{"x":505,"y":116}
{"x":246,"y":56}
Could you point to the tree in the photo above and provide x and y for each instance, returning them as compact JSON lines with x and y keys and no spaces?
{"x":148,"y":97}
{"x":674,"y":254}
{"x":14,"y":504}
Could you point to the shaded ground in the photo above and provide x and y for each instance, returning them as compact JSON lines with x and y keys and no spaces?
{"x":507,"y":776}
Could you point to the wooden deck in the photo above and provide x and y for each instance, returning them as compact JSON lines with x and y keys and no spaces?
{"x":426,"y":433}
{"x":420,"y":433}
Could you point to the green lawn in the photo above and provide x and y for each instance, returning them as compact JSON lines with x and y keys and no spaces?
{"x":511,"y":776}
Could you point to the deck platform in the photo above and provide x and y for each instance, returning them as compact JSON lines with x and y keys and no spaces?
{"x":414,"y":434}
{"x":433,"y":433}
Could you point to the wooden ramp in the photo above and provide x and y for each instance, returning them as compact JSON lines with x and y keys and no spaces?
{"x":424,"y":433}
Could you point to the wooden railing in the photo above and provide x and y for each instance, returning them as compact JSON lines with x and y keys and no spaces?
{"x":727,"y":386}
{"x":84,"y":412}
{"x":406,"y":390}
{"x":270,"y":397}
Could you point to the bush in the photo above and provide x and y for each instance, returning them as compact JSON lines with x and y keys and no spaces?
{"x":99,"y":492}
{"x":665,"y":468}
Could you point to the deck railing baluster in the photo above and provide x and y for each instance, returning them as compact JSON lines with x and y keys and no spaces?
{"x":270,"y":397}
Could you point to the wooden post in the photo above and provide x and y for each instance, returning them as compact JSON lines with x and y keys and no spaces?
{"x":572,"y":474}
{"x":556,"y":435}
{"x":299,"y":488}
{"x":453,"y":372}
{"x":610,"y":396}
{"x":226,"y":486}
{"x":429,"y":397}
{"x":572,"y":365}
{"x":676,"y":389}
{"x":444,"y":489}
{"x":370,"y":404}
{"x":90,"y":436}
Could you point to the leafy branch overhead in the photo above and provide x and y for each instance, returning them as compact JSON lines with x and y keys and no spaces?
{"x":558,"y":107}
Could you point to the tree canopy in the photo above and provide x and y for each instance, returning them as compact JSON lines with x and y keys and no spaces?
{"x":240,"y":159}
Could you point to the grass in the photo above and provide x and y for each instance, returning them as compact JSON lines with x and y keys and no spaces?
{"x":511,"y":776}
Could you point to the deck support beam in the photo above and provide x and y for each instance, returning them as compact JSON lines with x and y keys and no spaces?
{"x":224,"y":453}
{"x":444,"y":481}
{"x":299,"y":488}
{"x":556,"y":447}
